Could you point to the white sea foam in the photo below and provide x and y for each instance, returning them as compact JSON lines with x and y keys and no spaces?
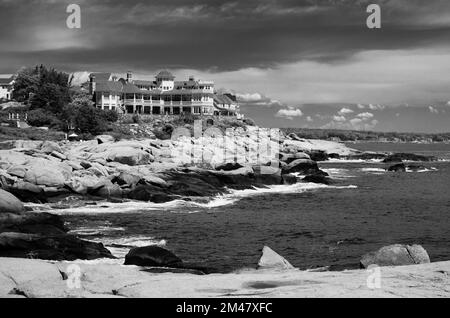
{"x":374,"y":170}
{"x":96,"y":230}
{"x":119,"y":247}
{"x":181,"y":206}
{"x":352,"y":161}
{"x":294,"y":188}
{"x":338,"y":173}
{"x":432,"y":169}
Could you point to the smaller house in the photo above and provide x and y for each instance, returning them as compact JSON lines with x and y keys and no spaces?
{"x":226,"y":104}
{"x":6,"y":87}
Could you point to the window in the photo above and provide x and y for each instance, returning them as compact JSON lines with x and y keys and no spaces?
{"x":146,"y":97}
{"x":147,"y":109}
{"x":156,"y":97}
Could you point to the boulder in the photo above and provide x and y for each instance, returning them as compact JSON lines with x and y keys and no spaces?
{"x":229,"y":166}
{"x":317,"y":178}
{"x":9,"y":203}
{"x":152,"y":256}
{"x":399,"y":157}
{"x":129,"y":156}
{"x":17,"y":170}
{"x":49,"y":146}
{"x":27,"y":192}
{"x":75,"y":165}
{"x":45,"y":175}
{"x":58,"y":155}
{"x":149,"y":193}
{"x":271,"y":260}
{"x":397,"y":168}
{"x":101,"y":139}
{"x":396,"y":255}
{"x":128,"y":179}
{"x":32,"y":223}
{"x":109,"y":190}
{"x":50,"y":247}
{"x":303,"y":166}
{"x":318,"y":155}
{"x":289,"y":178}
{"x":84,"y":184}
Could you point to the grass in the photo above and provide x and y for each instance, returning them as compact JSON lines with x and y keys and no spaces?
{"x":11,"y":133}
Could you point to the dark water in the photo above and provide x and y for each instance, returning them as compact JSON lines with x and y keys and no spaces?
{"x":316,"y":227}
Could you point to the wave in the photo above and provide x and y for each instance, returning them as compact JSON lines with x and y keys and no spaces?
{"x":178,"y":206}
{"x":353,"y":161}
{"x":119,"y":247}
{"x":91,"y":231}
{"x":432,"y":169}
{"x":338,"y":173}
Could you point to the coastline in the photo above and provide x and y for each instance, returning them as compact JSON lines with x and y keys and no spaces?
{"x":39,"y":279}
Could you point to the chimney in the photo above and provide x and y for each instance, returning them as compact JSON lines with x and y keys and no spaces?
{"x":114,"y":78}
{"x":191,"y":78}
{"x":92,"y":85}
{"x":129,"y":77}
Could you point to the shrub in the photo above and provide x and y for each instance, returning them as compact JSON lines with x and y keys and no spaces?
{"x":40,"y":117}
{"x":110,"y":116}
{"x":136,"y":119}
{"x":249,"y":122}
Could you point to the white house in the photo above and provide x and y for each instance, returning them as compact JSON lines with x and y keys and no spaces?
{"x":163,"y":96}
{"x":6,"y":87}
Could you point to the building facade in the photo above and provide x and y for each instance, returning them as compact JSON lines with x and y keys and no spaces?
{"x":6,"y":87}
{"x":164,"y":96}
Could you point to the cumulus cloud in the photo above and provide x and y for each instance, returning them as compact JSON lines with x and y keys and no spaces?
{"x":376,"y":107}
{"x":289,"y":113}
{"x":339,"y":118}
{"x":309,"y":119}
{"x":345,"y":111}
{"x":433,"y":110}
{"x":257,"y":99}
{"x":364,"y":116}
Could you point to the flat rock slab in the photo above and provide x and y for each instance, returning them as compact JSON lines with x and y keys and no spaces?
{"x":36,"y":278}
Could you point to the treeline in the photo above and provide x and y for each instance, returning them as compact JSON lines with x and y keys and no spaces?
{"x":50,"y":102}
{"x":356,"y":135}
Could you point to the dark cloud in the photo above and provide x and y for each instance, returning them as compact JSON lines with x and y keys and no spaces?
{"x":210,"y":34}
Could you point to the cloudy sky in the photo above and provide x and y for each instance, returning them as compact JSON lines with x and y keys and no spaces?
{"x":293,"y":63}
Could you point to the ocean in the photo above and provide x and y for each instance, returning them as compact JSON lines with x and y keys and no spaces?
{"x":310,"y":225}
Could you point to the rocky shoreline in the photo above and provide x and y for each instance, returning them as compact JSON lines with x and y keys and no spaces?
{"x":145,"y":170}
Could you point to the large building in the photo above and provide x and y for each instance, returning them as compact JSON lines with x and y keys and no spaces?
{"x":6,"y":87}
{"x":163,"y":96}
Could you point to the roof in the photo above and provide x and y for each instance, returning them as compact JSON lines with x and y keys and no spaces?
{"x":6,"y":80}
{"x":165,"y":74}
{"x":144,"y":83}
{"x":109,"y":86}
{"x":129,"y":88}
{"x":101,"y":77}
{"x":223,"y":99}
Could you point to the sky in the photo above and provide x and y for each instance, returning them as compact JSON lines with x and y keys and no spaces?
{"x":293,"y":63}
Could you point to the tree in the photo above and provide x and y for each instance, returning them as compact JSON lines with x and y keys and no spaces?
{"x":43,"y":88}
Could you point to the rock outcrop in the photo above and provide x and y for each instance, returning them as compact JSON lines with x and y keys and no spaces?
{"x":396,"y":255}
{"x":25,"y":234}
{"x":271,"y":260}
{"x":152,"y":256}
{"x":399,"y":157}
{"x":9,"y":203}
